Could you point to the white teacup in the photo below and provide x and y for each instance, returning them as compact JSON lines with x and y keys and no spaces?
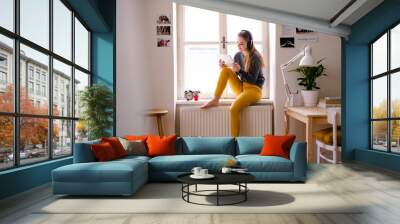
{"x":196,"y":171}
{"x":203,"y":172}
{"x":226,"y":170}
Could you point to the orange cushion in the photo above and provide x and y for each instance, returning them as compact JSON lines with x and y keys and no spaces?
{"x":161,"y":146}
{"x":103,"y":152}
{"x":277,"y":145}
{"x":116,"y":145}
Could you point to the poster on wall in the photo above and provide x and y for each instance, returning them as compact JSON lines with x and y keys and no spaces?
{"x":287,"y":42}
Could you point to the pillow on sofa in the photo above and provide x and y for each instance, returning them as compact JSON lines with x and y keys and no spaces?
{"x":103,"y":152}
{"x":161,"y":146}
{"x":277,"y":145}
{"x":142,"y":138}
{"x":116,"y":145}
{"x":135,"y":147}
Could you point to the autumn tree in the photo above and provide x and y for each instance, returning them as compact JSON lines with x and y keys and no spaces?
{"x":33,"y":131}
{"x":380,"y":127}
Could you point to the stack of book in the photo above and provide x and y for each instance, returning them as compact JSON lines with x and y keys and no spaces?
{"x":330,"y":101}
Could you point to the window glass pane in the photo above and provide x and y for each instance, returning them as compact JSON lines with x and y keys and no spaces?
{"x":379,"y":135}
{"x":35,"y":21}
{"x":33,"y":139}
{"x":233,"y":49}
{"x":395,"y":47}
{"x":395,"y":94}
{"x":34,"y":73}
{"x":81,"y":131}
{"x":6,"y":142}
{"x":201,"y":68}
{"x":6,"y":74}
{"x":81,"y":45}
{"x":236,"y":23}
{"x":379,"y":97}
{"x":379,"y":55}
{"x":196,"y":20}
{"x":7,"y":14}
{"x":62,"y":29}
{"x":62,"y":138}
{"x":81,"y":82}
{"x":395,"y":130}
{"x":62,"y":89}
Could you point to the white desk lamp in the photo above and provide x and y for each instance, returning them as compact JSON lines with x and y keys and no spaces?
{"x":294,"y":98}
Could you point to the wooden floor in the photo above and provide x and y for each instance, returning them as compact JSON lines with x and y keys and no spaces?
{"x":378,"y":189}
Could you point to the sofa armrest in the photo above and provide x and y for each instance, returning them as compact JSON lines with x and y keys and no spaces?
{"x":83,"y":152}
{"x":298,"y":155}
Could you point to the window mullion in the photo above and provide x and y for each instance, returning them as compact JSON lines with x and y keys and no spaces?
{"x":389,"y":101}
{"x":16,"y":84}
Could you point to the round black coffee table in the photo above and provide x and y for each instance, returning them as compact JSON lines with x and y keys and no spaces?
{"x":238,"y":179}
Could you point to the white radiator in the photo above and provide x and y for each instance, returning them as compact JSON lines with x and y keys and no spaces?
{"x":255,"y":121}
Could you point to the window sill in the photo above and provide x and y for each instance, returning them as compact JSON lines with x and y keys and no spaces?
{"x":221,"y":102}
{"x":30,"y":166}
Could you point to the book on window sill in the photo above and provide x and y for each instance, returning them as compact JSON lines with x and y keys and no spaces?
{"x":329,"y":103}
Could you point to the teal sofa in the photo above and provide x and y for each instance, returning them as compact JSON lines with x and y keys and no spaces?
{"x":125,"y":176}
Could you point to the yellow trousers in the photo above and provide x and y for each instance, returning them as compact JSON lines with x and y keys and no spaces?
{"x":246,"y":94}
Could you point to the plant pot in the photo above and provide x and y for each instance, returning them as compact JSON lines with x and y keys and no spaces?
{"x":310,"y":97}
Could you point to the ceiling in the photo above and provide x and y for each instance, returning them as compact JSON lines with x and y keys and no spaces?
{"x":319,"y":9}
{"x":333,"y":17}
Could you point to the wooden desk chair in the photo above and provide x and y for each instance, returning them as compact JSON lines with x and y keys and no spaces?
{"x":330,"y":139}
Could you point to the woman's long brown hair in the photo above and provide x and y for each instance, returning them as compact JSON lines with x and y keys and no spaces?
{"x":246,"y":35}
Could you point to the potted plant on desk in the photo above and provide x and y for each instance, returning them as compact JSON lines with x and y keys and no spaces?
{"x":309,"y":81}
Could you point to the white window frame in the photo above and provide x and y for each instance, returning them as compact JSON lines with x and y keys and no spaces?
{"x":180,"y":15}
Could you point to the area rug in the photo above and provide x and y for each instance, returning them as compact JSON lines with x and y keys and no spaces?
{"x":166,"y":198}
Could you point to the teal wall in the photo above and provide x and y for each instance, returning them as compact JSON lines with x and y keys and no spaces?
{"x":99,"y":15}
{"x":355,"y":87}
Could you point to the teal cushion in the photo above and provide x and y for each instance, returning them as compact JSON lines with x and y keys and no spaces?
{"x":185,"y":163}
{"x":249,"y":145}
{"x":206,"y":145}
{"x":111,"y":171}
{"x":83,"y":152}
{"x":257,"y":163}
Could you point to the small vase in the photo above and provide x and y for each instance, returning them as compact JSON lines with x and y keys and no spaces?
{"x":310,"y":97}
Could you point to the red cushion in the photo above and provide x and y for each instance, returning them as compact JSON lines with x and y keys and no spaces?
{"x":277,"y":145}
{"x":161,"y":146}
{"x":116,"y":145}
{"x":103,"y":152}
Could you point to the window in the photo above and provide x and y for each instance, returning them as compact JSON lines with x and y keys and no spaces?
{"x":199,"y":49}
{"x":385,"y":94}
{"x":7,"y":14}
{"x":30,"y":87}
{"x":38,"y":131}
{"x":35,"y":21}
{"x":81,"y":45}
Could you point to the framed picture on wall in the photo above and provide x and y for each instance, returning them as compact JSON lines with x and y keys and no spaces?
{"x":164,"y":30}
{"x":164,"y":19}
{"x":287,"y":42}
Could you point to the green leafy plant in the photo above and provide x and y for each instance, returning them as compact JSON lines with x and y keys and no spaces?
{"x":310,"y":75}
{"x":96,"y":102}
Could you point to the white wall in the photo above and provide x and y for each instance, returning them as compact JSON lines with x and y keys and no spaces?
{"x":145,"y":73}
{"x":326,"y":46}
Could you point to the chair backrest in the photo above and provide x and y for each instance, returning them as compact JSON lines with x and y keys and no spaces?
{"x":334,"y":116}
